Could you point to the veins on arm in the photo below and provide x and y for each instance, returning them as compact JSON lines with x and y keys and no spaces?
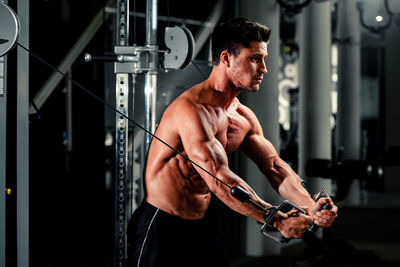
{"x":281,"y":176}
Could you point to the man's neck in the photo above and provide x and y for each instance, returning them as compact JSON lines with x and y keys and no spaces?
{"x":220,"y":91}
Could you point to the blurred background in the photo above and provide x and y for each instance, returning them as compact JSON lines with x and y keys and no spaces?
{"x":329,"y":104}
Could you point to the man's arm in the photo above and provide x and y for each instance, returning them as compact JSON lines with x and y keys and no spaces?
{"x":195,"y":128}
{"x":195,"y":125}
{"x":281,"y":176}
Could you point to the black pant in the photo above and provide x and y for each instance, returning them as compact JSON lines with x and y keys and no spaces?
{"x":156,"y":238}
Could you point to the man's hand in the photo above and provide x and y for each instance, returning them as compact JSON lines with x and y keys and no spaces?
{"x":324,"y":218}
{"x":292,"y":224}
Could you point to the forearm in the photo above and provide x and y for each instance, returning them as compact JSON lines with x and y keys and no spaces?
{"x":291,"y":189}
{"x":244,"y":208}
{"x":286,"y":182}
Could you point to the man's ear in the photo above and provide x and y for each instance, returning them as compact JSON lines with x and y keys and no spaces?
{"x":224,"y":58}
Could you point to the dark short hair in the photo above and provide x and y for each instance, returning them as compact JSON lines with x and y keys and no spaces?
{"x":235,"y":34}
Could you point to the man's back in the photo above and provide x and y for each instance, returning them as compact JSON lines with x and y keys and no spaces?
{"x":171,"y":182}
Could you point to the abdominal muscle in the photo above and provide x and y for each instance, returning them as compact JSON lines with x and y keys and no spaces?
{"x":178,"y":189}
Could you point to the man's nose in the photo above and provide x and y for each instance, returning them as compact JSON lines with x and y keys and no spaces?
{"x":263,"y":68}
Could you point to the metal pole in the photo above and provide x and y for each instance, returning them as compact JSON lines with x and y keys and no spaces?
{"x":122,"y":207}
{"x":314,"y":98}
{"x":23,"y":138}
{"x":265,"y":104}
{"x":150,"y":82}
{"x":3,"y":140}
{"x":349,"y":80}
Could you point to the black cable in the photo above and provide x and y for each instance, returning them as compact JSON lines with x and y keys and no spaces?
{"x":122,"y":114}
{"x":198,"y":68}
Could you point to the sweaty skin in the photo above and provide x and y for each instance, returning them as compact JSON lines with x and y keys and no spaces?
{"x":207,"y":123}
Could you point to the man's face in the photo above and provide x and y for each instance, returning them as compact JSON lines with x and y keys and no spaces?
{"x":247,"y":69}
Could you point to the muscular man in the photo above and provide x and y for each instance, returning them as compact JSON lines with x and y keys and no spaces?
{"x":206,"y":123}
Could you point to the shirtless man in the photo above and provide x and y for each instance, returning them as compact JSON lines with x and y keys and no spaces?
{"x":207,"y":123}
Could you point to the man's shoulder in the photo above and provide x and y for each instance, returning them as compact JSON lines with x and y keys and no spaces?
{"x":250,"y":116}
{"x":245,"y":110}
{"x":183,"y":103}
{"x":189,"y":101}
{"x":182,"y":110}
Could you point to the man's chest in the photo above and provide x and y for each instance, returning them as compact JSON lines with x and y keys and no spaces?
{"x":232,"y":131}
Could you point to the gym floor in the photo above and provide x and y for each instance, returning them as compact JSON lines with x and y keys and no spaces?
{"x":357,"y":253}
{"x":369,"y":236}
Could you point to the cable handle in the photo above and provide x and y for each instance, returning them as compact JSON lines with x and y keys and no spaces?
{"x":244,"y":196}
{"x":268,"y":213}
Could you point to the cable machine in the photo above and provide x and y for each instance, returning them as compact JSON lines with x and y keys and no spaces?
{"x":148,"y":60}
{"x":130,"y":61}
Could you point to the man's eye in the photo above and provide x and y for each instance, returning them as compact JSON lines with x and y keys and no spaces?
{"x":255,"y":59}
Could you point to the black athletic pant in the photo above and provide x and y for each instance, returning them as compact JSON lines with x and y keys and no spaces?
{"x":156,"y":238}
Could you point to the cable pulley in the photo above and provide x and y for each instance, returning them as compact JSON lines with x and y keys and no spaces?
{"x":135,"y":59}
{"x":9,"y":29}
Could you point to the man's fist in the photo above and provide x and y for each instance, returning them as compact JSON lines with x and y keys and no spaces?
{"x":324,"y":218}
{"x":292,"y":224}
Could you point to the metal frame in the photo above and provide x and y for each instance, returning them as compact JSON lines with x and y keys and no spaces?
{"x":23,"y":138}
{"x":3,"y":140}
{"x":165,"y":18}
{"x":123,"y":204}
{"x":122,"y":209}
{"x":207,"y":27}
{"x":150,"y":82}
{"x":131,"y":64}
